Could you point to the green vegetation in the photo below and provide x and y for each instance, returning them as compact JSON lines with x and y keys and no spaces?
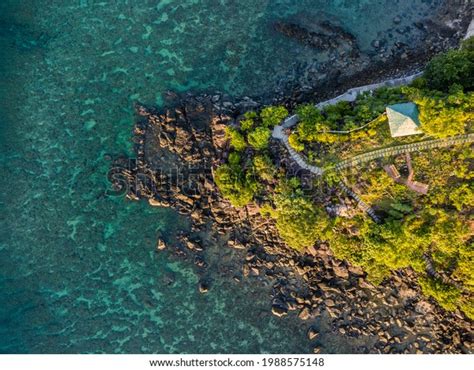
{"x":446,"y":295}
{"x":329,"y":125}
{"x":238,"y":179}
{"x":272,"y":116}
{"x":237,"y":140}
{"x":444,"y":98}
{"x":264,"y":168}
{"x":236,"y":185}
{"x":248,"y":122}
{"x":295,"y":143}
{"x":445,"y":95}
{"x":299,"y":221}
{"x":453,"y":67}
{"x":346,"y":129}
{"x":437,"y":224}
{"x":443,"y":114}
{"x":425,"y":233}
{"x":259,"y":138}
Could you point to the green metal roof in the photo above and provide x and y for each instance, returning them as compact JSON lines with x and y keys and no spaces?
{"x":403,"y":119}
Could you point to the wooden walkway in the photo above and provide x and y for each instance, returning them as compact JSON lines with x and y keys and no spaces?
{"x":278,"y":133}
{"x":404,"y":148}
{"x":408,"y":182}
{"x":350,"y":95}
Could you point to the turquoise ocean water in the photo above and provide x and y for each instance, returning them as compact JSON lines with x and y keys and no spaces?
{"x":78,"y":270}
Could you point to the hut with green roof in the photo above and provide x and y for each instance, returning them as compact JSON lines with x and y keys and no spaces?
{"x":403,"y":119}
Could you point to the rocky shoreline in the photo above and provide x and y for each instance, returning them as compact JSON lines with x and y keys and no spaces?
{"x":176,"y":151}
{"x":348,"y":66}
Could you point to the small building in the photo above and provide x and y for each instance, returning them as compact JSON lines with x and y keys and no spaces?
{"x":403,"y":119}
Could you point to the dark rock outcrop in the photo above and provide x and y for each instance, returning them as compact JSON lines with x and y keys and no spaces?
{"x":324,"y":36}
{"x":177,"y":150}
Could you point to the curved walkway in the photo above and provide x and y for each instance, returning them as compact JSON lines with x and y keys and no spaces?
{"x":279,"y":134}
{"x":349,"y":95}
{"x":352,"y":94}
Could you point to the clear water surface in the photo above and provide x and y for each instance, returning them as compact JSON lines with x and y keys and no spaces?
{"x":78,"y":270}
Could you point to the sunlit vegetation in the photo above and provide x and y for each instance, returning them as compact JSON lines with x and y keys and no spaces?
{"x":438,"y":224}
{"x":443,"y":114}
{"x":241,"y":177}
{"x":273,"y":115}
{"x":259,"y":137}
{"x":443,"y":95}
{"x":234,"y":183}
{"x":237,"y":140}
{"x":264,"y":168}
{"x":346,"y":129}
{"x":298,"y":220}
{"x":425,"y":233}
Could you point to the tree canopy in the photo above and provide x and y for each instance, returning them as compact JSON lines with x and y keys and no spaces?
{"x":453,"y":67}
{"x":426,"y":233}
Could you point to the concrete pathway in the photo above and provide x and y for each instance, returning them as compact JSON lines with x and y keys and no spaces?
{"x":470,"y":30}
{"x":350,"y":96}
{"x":278,"y":133}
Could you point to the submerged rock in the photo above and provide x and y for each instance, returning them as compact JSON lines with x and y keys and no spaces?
{"x":321,"y":35}
{"x":305,"y":314}
{"x":312,"y":333}
{"x":160,"y":245}
{"x":279,"y":310}
{"x":203,"y":287}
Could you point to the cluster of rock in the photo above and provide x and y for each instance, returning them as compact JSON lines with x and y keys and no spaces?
{"x":348,"y":66}
{"x":322,"y":36}
{"x":177,"y":150}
